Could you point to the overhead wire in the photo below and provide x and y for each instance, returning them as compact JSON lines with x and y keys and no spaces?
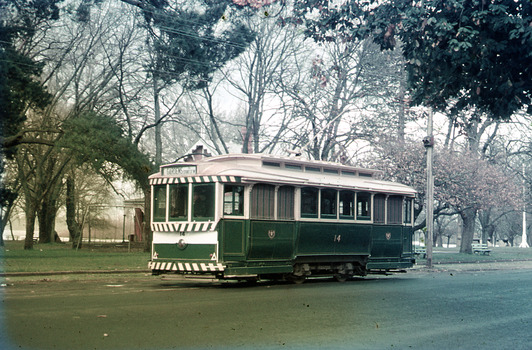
{"x":209,"y":38}
{"x":173,"y":18}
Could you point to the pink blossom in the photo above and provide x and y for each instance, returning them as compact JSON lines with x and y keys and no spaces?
{"x":253,"y":3}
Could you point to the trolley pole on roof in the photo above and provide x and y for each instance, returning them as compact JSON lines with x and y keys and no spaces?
{"x":428,"y":141}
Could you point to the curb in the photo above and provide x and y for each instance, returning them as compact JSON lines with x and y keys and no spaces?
{"x":476,"y":262}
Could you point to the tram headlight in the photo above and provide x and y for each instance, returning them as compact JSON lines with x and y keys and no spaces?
{"x":181,"y":244}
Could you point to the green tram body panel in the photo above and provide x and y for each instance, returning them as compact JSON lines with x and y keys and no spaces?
{"x":391,"y":247}
{"x":317,"y":239}
{"x":247,"y":247}
{"x":196,"y":252}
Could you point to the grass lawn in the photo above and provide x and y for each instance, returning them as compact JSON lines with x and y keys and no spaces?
{"x":61,"y":257}
{"x":451,"y":255}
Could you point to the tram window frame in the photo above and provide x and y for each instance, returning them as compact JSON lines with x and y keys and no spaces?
{"x":178,"y":202}
{"x":236,"y":201}
{"x":157,"y":208}
{"x":394,"y":210}
{"x":312,"y":169}
{"x":206,"y":199}
{"x":379,"y":208}
{"x":262,"y":200}
{"x":285,"y":202}
{"x":331,"y":171}
{"x":407,"y":211}
{"x":328,"y":203}
{"x":309,"y":202}
{"x":271,"y":164}
{"x":363,"y":206}
{"x":295,"y":167}
{"x":346,"y":197}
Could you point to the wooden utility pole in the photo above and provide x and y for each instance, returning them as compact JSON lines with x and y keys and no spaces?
{"x":524,"y":238}
{"x":428,"y":141}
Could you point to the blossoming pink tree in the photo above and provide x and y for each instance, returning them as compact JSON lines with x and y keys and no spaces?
{"x":469,"y":184}
{"x":463,"y":182}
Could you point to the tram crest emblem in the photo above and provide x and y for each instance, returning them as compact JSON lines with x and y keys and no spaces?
{"x":271,"y":234}
{"x":388,"y":236}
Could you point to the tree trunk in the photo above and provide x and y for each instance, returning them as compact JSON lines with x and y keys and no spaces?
{"x":74,"y":229}
{"x":30,"y":224}
{"x":46,"y":216}
{"x":438,"y":239}
{"x":4,"y":219}
{"x":489,"y":233}
{"x":158,"y":126}
{"x":468,"y":230}
{"x":401,"y":125}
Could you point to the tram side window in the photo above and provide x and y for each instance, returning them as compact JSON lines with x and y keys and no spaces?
{"x":395,"y":212}
{"x":363,"y":206}
{"x":233,"y":200}
{"x":407,"y":211}
{"x":347,"y":205}
{"x":285,"y":203}
{"x":178,"y":202}
{"x":159,"y":203}
{"x":379,"y":202}
{"x":262,"y":201}
{"x":328,"y":204}
{"x":309,"y":202}
{"x":203,"y":205}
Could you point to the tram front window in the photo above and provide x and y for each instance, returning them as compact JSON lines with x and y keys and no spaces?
{"x":178,"y":202}
{"x":233,"y":200}
{"x":203,"y":205}
{"x":159,"y":203}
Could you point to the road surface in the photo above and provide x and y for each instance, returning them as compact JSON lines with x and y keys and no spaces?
{"x":417,"y":310}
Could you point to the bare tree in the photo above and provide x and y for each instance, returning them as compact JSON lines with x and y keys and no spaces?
{"x":255,"y":76}
{"x":347,"y":93}
{"x":80,"y":74}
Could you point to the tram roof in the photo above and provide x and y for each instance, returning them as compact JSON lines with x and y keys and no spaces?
{"x":252,"y":168}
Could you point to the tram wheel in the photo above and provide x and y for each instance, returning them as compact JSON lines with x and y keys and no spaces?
{"x":341,"y":277}
{"x":296,"y":279}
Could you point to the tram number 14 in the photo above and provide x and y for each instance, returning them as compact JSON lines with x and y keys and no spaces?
{"x":337,"y":238}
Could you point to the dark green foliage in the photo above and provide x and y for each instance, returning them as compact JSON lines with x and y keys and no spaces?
{"x":25,"y":16}
{"x":187,"y":43}
{"x":19,"y":85}
{"x":83,"y":12}
{"x":475,"y":53}
{"x":99,"y":140}
{"x":344,"y":21}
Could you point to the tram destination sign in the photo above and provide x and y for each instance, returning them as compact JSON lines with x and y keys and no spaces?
{"x":179,"y":170}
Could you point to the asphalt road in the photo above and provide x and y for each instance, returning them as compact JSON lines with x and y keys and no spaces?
{"x":417,"y":310}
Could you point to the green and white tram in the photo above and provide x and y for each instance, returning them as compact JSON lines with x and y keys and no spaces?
{"x":255,"y":216}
